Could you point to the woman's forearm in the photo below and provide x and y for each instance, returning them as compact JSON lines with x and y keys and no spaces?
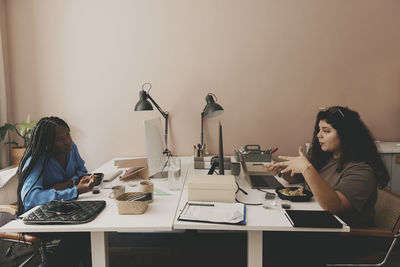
{"x":63,"y":185}
{"x":327,"y":198}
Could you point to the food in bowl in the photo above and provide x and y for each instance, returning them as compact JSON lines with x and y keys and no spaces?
{"x":288,"y":192}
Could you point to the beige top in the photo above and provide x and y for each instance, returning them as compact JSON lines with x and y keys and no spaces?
{"x":358,"y":183}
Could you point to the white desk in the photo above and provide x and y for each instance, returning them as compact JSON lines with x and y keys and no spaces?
{"x":162,"y":214}
{"x":159,"y":216}
{"x":258,"y":218}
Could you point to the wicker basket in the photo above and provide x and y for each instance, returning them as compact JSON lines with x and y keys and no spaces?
{"x":131,"y":207}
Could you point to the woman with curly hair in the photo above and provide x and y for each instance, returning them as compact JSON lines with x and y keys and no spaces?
{"x":343,"y":170}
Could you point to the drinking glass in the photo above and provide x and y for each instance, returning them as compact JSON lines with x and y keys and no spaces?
{"x":174,"y":174}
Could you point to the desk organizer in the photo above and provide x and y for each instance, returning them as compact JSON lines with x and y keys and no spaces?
{"x":147,"y":187}
{"x":253,"y":153}
{"x":200,"y":163}
{"x":137,"y":169}
{"x":131,"y":207}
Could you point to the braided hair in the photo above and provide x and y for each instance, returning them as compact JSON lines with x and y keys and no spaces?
{"x":42,"y":143}
{"x":356,"y":141}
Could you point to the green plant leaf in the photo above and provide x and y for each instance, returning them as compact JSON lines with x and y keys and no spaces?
{"x":25,"y":127}
{"x":5,"y":128}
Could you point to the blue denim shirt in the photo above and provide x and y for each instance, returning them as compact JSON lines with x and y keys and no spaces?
{"x":41,"y":191}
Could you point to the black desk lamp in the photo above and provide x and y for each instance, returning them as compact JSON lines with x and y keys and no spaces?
{"x":212,"y":109}
{"x":144,"y":104}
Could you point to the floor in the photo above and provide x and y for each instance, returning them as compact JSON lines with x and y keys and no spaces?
{"x":189,"y":249}
{"x":181,"y":249}
{"x":184,"y":249}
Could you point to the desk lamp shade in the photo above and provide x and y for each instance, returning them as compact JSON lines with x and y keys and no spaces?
{"x":143,"y":103}
{"x":212,"y":109}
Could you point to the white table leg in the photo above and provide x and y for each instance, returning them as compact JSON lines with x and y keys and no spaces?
{"x":254,"y":249}
{"x":99,"y":243}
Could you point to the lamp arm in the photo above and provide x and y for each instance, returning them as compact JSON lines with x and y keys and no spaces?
{"x":166,"y":136}
{"x":163,"y":113}
{"x":202,"y":128}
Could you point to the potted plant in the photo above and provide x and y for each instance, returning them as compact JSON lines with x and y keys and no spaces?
{"x":22,"y":129}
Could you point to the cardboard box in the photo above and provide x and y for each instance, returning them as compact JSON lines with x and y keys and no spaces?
{"x":138,"y":169}
{"x":212,"y":188}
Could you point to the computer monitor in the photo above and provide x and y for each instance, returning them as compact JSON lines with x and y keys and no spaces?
{"x":155,"y":146}
{"x":220,"y":160}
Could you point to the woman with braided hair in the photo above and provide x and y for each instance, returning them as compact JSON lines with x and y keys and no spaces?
{"x":51,"y":166}
{"x":50,"y":170}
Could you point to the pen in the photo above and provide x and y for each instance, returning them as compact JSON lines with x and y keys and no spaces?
{"x":274,"y":150}
{"x":201,"y":204}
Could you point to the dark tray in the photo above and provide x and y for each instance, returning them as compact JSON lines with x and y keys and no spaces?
{"x":305,"y":198}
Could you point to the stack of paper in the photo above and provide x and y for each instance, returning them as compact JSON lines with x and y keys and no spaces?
{"x":214,"y":212}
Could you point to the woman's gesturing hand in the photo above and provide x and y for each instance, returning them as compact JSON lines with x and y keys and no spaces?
{"x":273,"y":168}
{"x":294,"y":164}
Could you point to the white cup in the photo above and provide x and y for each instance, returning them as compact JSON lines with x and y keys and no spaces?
{"x":270,"y":202}
{"x":116,"y":191}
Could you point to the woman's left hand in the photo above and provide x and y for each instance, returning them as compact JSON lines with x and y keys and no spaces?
{"x":294,"y":164}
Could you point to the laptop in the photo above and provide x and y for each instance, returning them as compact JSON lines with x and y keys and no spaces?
{"x":260,"y":180}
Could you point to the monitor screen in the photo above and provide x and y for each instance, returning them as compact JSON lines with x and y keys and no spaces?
{"x":218,"y":161}
{"x":155,"y":146}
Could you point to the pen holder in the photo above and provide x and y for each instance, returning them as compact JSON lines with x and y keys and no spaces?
{"x":147,"y":187}
{"x":199,"y":162}
{"x":199,"y":153}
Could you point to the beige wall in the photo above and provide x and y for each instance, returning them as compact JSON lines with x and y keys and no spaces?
{"x":4,"y":84}
{"x":271,"y":64}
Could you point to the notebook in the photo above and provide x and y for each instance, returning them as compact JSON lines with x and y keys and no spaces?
{"x":312,"y":218}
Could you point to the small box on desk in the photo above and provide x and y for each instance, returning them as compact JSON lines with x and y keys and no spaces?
{"x":212,"y":188}
{"x":137,"y":169}
{"x":205,"y":162}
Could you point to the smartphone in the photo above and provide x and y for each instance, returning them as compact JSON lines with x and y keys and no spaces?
{"x":99,"y":177}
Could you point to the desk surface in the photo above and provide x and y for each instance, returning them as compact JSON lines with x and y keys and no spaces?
{"x":159,"y":215}
{"x":162,"y":214}
{"x":258,"y":218}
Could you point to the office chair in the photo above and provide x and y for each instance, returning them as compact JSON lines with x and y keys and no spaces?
{"x":10,"y":253}
{"x":38,"y":245}
{"x":387,"y":219}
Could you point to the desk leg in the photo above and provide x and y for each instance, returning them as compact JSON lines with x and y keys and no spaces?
{"x":99,"y":243}
{"x":254,"y":249}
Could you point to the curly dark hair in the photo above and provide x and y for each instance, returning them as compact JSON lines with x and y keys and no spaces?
{"x":42,"y":143}
{"x":356,"y":141}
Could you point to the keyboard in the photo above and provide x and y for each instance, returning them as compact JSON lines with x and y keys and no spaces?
{"x":264,"y":182}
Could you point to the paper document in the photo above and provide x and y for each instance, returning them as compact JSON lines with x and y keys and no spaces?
{"x":214,"y":212}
